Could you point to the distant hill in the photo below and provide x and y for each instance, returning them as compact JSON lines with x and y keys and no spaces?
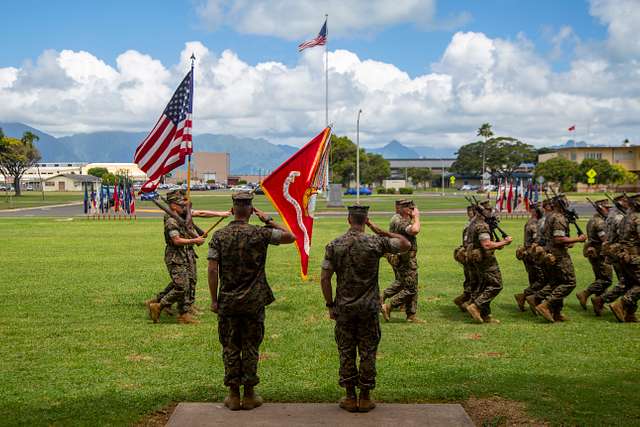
{"x":397,"y":150}
{"x":248,"y":155}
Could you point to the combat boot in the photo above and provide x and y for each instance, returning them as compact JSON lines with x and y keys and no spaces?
{"x":365,"y":404}
{"x":531,"y":300}
{"x":414,"y":319}
{"x":582,"y":298}
{"x":489,"y":319}
{"x":598,"y":305}
{"x":154,"y":311}
{"x":186,"y":318}
{"x":232,"y":401}
{"x":350,"y":401}
{"x":251,"y":399}
{"x":474,"y":311}
{"x":386,"y":312}
{"x":618,"y":310}
{"x":151,"y":301}
{"x":559,"y":317}
{"x":545,"y":311}
{"x":459,"y":300}
{"x":630,"y":317}
{"x":520,"y":300}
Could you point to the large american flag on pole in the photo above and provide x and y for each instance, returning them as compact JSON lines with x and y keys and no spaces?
{"x":320,"y":40}
{"x":169,"y":143}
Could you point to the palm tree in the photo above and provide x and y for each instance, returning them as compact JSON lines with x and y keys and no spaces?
{"x":485,"y":132}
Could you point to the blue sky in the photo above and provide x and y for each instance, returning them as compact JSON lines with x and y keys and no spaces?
{"x":109,"y":28}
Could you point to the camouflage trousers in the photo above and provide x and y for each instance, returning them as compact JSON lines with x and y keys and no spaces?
{"x":358,"y":334}
{"x":613,"y":293}
{"x":470,"y":283}
{"x":489,"y":285}
{"x":535,"y":274}
{"x":404,"y":290}
{"x":561,"y":281}
{"x":241,"y":336}
{"x":181,"y":289}
{"x":632,"y":277}
{"x":603,"y":275}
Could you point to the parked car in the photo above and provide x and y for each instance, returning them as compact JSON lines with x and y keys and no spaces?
{"x":469,"y":187}
{"x":258,"y":190}
{"x":237,"y":188}
{"x":364,"y":191}
{"x":29,"y":188}
{"x":149,"y":196}
{"x":488,"y":187}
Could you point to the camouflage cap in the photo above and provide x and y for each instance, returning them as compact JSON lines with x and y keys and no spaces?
{"x":603,"y":203}
{"x":486,"y":204}
{"x":358,"y":210}
{"x":635,"y":198}
{"x":176,"y":196}
{"x":242,"y":198}
{"x":620,"y":197}
{"x":405,"y":203}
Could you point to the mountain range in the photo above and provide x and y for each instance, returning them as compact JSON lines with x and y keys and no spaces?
{"x":248,"y":155}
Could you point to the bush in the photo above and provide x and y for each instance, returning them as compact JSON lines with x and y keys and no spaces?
{"x":381,"y":190}
{"x":391,"y":191}
{"x":406,"y":190}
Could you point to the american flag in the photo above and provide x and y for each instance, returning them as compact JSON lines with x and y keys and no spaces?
{"x":321,"y":40}
{"x":169,"y":143}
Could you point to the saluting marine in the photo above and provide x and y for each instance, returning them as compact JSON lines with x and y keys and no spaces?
{"x":240,"y":293}
{"x":354,"y":258}
{"x":408,"y":225}
{"x":596,"y":237}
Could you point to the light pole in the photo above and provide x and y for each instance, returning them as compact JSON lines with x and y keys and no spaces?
{"x":358,"y":158}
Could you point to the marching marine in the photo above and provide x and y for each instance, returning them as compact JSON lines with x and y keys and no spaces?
{"x":470,"y":283}
{"x":527,"y":254}
{"x":408,"y":225}
{"x":354,"y":258}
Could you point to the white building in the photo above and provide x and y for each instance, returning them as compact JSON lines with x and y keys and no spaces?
{"x":70,"y":182}
{"x":33,"y":175}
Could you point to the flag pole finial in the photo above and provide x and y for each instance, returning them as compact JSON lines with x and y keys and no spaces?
{"x":193,"y":59}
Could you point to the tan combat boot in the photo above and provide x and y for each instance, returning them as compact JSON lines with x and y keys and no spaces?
{"x":350,"y":401}
{"x":489,"y":319}
{"x":414,"y":319}
{"x":386,"y":312}
{"x":365,"y":404}
{"x":559,"y":317}
{"x":251,"y":399}
{"x":151,"y":301}
{"x":582,"y":298}
{"x":459,"y":300}
{"x":186,"y":318}
{"x":520,"y":300}
{"x":154,"y":311}
{"x":598,"y":305}
{"x":531,"y":300}
{"x":544,"y":311}
{"x":232,"y":401}
{"x":474,"y":311}
{"x":618,"y":310}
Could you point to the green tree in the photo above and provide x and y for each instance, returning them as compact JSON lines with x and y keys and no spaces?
{"x":18,"y":155}
{"x":373,"y":167}
{"x":622,"y":175}
{"x":420,"y":175}
{"x":98,"y":172}
{"x":503,"y":155}
{"x":559,"y":170}
{"x":108,"y":178}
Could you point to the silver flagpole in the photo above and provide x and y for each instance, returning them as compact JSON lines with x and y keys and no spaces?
{"x":326,"y":99}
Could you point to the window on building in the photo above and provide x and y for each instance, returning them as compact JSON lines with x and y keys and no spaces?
{"x":573,"y":157}
{"x":623,"y":155}
{"x":593,"y":155}
{"x":49,"y":184}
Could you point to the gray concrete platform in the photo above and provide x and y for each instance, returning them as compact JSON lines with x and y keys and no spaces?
{"x":319,"y":414}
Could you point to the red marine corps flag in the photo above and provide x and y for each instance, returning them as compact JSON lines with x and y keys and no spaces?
{"x":292,"y":189}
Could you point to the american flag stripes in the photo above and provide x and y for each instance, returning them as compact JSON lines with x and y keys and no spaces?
{"x":320,"y":40}
{"x":169,"y":143}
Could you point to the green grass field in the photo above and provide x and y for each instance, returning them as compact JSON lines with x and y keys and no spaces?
{"x":30,"y":199}
{"x":79,"y":349}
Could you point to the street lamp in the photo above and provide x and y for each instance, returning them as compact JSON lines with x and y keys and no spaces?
{"x":358,"y":158}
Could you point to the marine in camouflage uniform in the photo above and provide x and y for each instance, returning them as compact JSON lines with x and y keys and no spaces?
{"x":180,"y":259}
{"x":485,"y":267}
{"x":624,"y":309}
{"x":240,"y":293}
{"x":354,"y":258}
{"x":614,"y":223}
{"x":393,"y":260}
{"x":470,"y":283}
{"x":539,"y":295}
{"x":560,"y":274}
{"x":596,"y":237}
{"x":406,"y":293}
{"x":535,"y":273}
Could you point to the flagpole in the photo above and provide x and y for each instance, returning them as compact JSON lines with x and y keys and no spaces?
{"x":326,"y":93}
{"x":193,"y":59}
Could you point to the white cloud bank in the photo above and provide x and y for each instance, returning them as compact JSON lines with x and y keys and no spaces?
{"x":477,"y":79}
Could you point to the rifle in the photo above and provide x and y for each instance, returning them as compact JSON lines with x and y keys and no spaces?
{"x":188,"y":221}
{"x":617,"y":203}
{"x":570,"y":214}
{"x":177,"y":217}
{"x":596,"y":207}
{"x":491,"y":220}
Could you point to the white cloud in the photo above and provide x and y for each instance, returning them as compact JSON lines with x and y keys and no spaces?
{"x":303,"y":18}
{"x":622,"y":18}
{"x":477,"y":79}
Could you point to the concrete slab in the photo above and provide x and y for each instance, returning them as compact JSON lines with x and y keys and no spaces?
{"x":319,"y":414}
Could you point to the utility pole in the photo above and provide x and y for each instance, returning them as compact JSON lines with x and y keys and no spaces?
{"x":358,"y":158}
